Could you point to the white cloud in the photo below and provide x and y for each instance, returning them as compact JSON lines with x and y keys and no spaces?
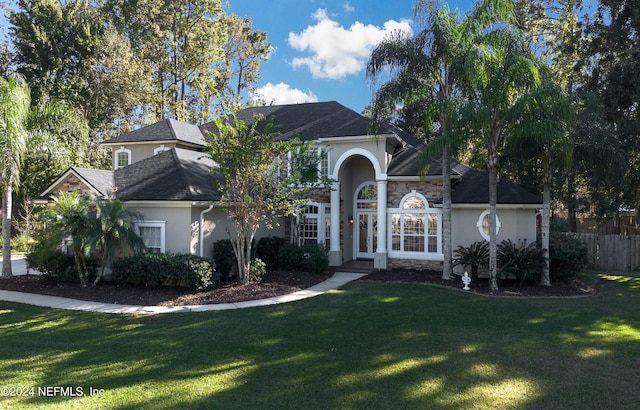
{"x":337,"y":52}
{"x":282,"y":93}
{"x":348,"y":7}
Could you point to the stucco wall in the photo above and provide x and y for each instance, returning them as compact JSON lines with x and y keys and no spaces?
{"x":179,"y":229}
{"x":516,"y":224}
{"x":216,"y":223}
{"x":139,"y":151}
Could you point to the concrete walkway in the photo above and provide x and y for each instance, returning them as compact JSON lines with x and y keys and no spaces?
{"x":19,"y":268}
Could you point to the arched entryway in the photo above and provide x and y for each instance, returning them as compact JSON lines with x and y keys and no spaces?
{"x":359,"y":203}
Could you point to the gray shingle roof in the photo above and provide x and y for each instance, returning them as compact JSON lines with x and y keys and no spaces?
{"x":166,"y":130}
{"x":176,"y":174}
{"x":473,"y":188}
{"x":99,"y":179}
{"x":308,"y":121}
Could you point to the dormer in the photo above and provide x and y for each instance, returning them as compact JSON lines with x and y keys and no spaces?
{"x":153,"y":139}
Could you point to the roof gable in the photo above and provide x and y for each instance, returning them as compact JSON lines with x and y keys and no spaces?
{"x":98,"y":181}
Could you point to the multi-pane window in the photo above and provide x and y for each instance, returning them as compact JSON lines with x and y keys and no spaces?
{"x":315,"y":224}
{"x":367,"y":197}
{"x":415,"y":228}
{"x":153,"y":235}
{"x":323,"y":164}
{"x":122,"y":158}
{"x":309,"y":225}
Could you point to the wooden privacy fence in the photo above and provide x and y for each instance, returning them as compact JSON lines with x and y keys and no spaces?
{"x":613,"y":252}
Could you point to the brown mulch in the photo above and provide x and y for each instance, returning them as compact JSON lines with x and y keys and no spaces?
{"x":507,"y":287}
{"x":273,"y":284}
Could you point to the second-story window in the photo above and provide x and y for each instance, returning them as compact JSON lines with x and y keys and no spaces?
{"x":122,"y":158}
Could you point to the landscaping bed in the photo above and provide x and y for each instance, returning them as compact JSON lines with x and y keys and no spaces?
{"x":274,"y":283}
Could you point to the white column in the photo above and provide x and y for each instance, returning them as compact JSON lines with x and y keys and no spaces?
{"x":382,"y":217}
{"x":336,"y":223}
{"x":335,"y":255}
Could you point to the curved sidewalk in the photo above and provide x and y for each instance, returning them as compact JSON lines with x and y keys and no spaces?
{"x":334,"y":282}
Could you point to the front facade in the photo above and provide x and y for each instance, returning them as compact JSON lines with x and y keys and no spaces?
{"x":378,"y":207}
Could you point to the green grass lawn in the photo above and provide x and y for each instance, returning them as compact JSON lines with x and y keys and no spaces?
{"x":369,"y":345}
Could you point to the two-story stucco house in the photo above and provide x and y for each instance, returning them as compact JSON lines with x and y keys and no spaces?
{"x":379,"y":207}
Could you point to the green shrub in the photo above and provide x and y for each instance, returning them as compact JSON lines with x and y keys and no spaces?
{"x":58,"y":266}
{"x":175,"y":270}
{"x":22,"y":243}
{"x":257,"y":269}
{"x":225,"y":260}
{"x":291,"y":257}
{"x":523,"y":261}
{"x":268,"y":250}
{"x":317,"y":258}
{"x":475,"y":255}
{"x":568,"y":256}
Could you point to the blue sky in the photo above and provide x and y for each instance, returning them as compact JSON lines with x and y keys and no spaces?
{"x":320,"y":48}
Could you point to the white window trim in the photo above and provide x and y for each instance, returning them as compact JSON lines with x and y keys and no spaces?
{"x":324,"y":212}
{"x":434,"y":256}
{"x":323,"y":173}
{"x":115,"y":157}
{"x":154,"y":224}
{"x":479,"y":224}
{"x":160,"y":149}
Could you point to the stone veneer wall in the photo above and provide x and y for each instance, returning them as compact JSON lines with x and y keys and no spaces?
{"x":414,"y":264}
{"x":396,"y":190}
{"x":72,"y":183}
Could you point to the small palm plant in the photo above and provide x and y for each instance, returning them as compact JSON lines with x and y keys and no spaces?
{"x":70,"y":216}
{"x":525,"y":262}
{"x":94,"y":227}
{"x":475,"y":255}
{"x":114,"y":232}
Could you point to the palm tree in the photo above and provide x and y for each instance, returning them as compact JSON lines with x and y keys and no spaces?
{"x":541,"y":128}
{"x":72,"y":216}
{"x":429,"y":72}
{"x":53,"y":127}
{"x":15,"y":99}
{"x":503,"y":70}
{"x":114,"y":232}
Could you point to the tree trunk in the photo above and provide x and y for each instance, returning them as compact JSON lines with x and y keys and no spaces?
{"x":546,"y":224}
{"x":81,"y":276}
{"x":493,"y":246}
{"x":571,"y":202}
{"x":447,"y":269}
{"x":6,"y":231}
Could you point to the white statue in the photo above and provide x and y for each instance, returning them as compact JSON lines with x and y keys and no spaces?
{"x":466,"y":279}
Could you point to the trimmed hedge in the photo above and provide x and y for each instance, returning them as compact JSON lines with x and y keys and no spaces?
{"x":173,"y":270}
{"x":268,"y":250}
{"x":60,"y":267}
{"x":225,"y":260}
{"x":568,"y":256}
{"x":317,"y":258}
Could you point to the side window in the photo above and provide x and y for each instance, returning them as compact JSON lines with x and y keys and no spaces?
{"x":153,"y":235}
{"x":483,"y":224}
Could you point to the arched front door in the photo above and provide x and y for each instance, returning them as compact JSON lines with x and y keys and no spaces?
{"x":366,"y":229}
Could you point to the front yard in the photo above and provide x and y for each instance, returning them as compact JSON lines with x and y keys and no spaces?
{"x":368,"y":345}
